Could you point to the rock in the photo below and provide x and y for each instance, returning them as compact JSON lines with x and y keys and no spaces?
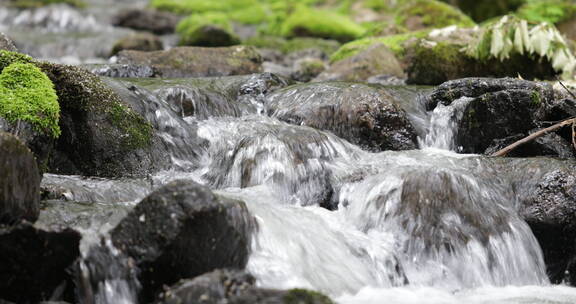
{"x":183,"y":230}
{"x":499,"y":108}
{"x":101,"y":135}
{"x":6,"y":43}
{"x":551,"y":145}
{"x":307,"y":69}
{"x":139,"y":42}
{"x":19,"y":181}
{"x":207,"y":30}
{"x":34,"y":263}
{"x":235,"y":287}
{"x":197,"y":61}
{"x":153,"y":21}
{"x":28,"y":106}
{"x":548,"y":205}
{"x":122,"y":70}
{"x":375,"y":60}
{"x":426,"y":14}
{"x":364,"y":115}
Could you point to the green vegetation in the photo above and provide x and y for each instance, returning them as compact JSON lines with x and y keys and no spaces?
{"x":27,"y":94}
{"x":484,"y":10}
{"x":431,"y":14}
{"x":394,"y":42}
{"x":7,"y":58}
{"x":40,"y":3}
{"x":194,"y":30}
{"x":511,"y":35}
{"x":307,"y":22}
{"x":294,"y":44}
{"x":551,"y":11}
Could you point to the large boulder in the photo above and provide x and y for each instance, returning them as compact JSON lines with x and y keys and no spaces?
{"x":183,"y":230}
{"x":234,"y":287}
{"x":498,"y":108}
{"x":34,"y":263}
{"x":19,"y":181}
{"x":101,"y":134}
{"x":147,"y":20}
{"x":362,"y":114}
{"x":197,"y":61}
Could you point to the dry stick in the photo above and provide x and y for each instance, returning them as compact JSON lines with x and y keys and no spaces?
{"x":534,"y":135}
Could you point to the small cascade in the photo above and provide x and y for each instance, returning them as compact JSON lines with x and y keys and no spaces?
{"x":443,"y":125}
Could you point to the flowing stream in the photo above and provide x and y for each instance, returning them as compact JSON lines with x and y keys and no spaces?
{"x":420,"y":226}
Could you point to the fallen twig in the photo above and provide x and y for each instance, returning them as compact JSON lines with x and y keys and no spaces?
{"x":537,"y":134}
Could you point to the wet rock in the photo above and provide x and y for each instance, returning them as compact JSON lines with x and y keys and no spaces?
{"x":19,"y":181}
{"x":234,"y":287}
{"x":157,"y":22}
{"x":183,"y":230}
{"x":197,"y":61}
{"x":6,"y":43}
{"x":364,"y":115}
{"x":551,"y":145}
{"x":122,"y":70}
{"x":500,"y":108}
{"x":138,"y":42}
{"x":307,"y":69}
{"x":208,"y":35}
{"x":101,"y":134}
{"x":375,"y":60}
{"x":549,"y":206}
{"x":34,"y":263}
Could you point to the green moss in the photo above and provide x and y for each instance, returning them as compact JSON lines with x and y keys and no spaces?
{"x":484,"y":10}
{"x":293,"y":45}
{"x":27,"y":94}
{"x":394,"y":42}
{"x":192,"y":30}
{"x":551,"y":11}
{"x":7,"y":58}
{"x":201,"y":6}
{"x":40,"y":3}
{"x":303,"y":296}
{"x":437,"y":63}
{"x":535,"y":98}
{"x":307,"y":22}
{"x":432,"y":14}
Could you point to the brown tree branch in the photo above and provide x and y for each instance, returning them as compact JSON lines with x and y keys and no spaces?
{"x":537,"y":134}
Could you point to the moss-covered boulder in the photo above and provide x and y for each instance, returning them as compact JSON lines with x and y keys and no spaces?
{"x":101,"y":136}
{"x":427,"y":14}
{"x":6,"y":43}
{"x":376,"y":60}
{"x":212,"y":29}
{"x":19,"y":181}
{"x":40,"y":3}
{"x":197,"y":61}
{"x":139,"y":42}
{"x":481,"y":10}
{"x":308,"y":22}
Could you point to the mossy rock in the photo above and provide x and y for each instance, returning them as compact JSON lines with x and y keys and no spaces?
{"x":201,"y":6}
{"x":27,"y":94}
{"x":40,"y":3}
{"x":303,"y":296}
{"x":212,"y":29}
{"x":6,"y":43}
{"x":287,"y":46}
{"x":426,"y":14}
{"x":308,"y":22}
{"x":141,"y":42}
{"x":481,"y":10}
{"x":101,"y":136}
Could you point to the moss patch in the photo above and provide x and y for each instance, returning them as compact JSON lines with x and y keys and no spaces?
{"x":293,"y":45}
{"x":420,"y":14}
{"x":27,"y":94}
{"x":551,"y":11}
{"x":7,"y":58}
{"x":394,"y":42}
{"x":484,"y":10}
{"x":307,"y":22}
{"x":210,"y":29}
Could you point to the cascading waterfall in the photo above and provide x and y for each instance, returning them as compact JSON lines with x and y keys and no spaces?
{"x":422,"y":226}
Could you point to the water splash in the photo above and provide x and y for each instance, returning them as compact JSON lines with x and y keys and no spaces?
{"x":443,"y":125}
